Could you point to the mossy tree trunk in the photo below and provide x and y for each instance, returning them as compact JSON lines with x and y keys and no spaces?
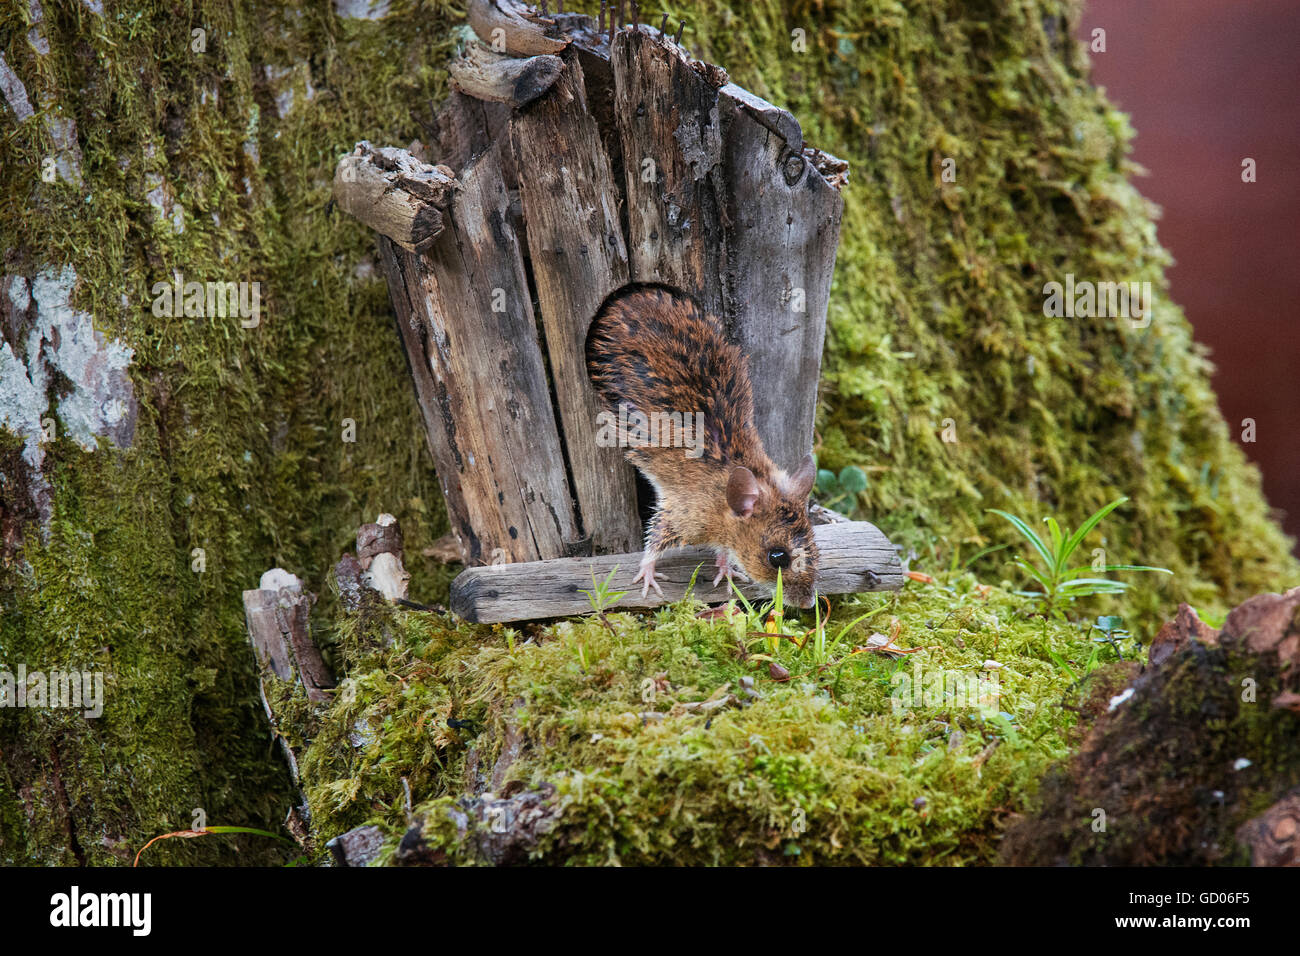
{"x":142,"y":141}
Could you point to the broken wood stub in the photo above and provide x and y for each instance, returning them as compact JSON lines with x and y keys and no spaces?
{"x":394,"y":194}
{"x":492,"y":76}
{"x":276,"y":615}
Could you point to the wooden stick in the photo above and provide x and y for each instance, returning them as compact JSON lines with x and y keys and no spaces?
{"x":394,"y":194}
{"x":486,"y":75}
{"x":854,"y":557}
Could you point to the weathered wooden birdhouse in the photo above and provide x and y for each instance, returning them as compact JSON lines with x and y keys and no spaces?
{"x":576,"y":155}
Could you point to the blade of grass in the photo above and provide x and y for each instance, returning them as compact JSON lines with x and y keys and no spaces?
{"x":1030,"y":535}
{"x":1077,"y":538}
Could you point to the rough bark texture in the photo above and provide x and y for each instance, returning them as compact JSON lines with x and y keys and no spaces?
{"x":217,"y":163}
{"x":575,"y":243}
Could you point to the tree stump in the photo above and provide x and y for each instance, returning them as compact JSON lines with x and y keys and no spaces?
{"x":583,"y":160}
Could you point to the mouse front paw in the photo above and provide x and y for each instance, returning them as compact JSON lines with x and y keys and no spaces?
{"x":647,"y":575}
{"x":726,"y":570}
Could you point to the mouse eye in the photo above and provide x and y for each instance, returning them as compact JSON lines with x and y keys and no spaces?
{"x":778,"y":557}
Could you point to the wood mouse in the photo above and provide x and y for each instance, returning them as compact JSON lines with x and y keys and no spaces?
{"x":652,"y":350}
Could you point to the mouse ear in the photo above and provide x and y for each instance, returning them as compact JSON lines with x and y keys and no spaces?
{"x":742,"y":491}
{"x":801,"y":482}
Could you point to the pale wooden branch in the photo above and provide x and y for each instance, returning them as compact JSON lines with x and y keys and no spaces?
{"x":379,"y":555}
{"x":854,"y":557}
{"x":521,"y":31}
{"x":485,"y":75}
{"x":394,"y":194}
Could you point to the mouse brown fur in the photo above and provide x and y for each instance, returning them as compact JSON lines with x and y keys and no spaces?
{"x":653,"y":350}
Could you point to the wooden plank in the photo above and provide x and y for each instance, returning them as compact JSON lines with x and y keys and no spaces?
{"x":575,"y":244}
{"x":465,"y":315}
{"x":667,"y":114}
{"x":854,"y":557}
{"x":782,"y":230}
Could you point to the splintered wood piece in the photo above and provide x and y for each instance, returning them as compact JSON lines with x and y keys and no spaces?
{"x":281,"y":639}
{"x":782,"y":228}
{"x":575,"y":244}
{"x":854,"y":557}
{"x":394,"y":193}
{"x":358,"y":847}
{"x":514,"y":26}
{"x":486,"y":75}
{"x":667,"y":115}
{"x":465,"y":315}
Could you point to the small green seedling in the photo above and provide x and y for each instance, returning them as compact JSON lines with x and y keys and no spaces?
{"x":842,"y":490}
{"x":1061,"y":583}
{"x":600,"y":596}
{"x":1112,"y":633}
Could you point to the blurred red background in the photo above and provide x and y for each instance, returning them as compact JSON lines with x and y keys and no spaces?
{"x":1208,"y":83}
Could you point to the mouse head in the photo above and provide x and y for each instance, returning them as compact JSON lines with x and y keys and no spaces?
{"x":772,"y":530}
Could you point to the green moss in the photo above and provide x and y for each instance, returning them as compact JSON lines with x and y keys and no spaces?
{"x":239,"y":448}
{"x":840,"y":764}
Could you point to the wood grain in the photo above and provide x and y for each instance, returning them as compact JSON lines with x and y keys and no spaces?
{"x":782,"y":230}
{"x":855,"y":557}
{"x":575,"y":244}
{"x":465,"y":316}
{"x":667,"y":116}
